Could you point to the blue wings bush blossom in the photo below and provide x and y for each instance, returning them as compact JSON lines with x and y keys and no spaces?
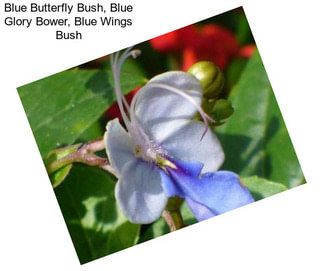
{"x":163,"y":152}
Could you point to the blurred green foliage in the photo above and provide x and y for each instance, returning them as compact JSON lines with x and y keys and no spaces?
{"x":255,"y":139}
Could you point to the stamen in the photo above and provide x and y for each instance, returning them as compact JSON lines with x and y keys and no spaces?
{"x":117,"y":88}
{"x":135,"y":53}
{"x":116,"y":64}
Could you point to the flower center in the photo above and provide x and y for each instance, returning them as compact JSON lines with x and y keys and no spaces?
{"x":144,"y":147}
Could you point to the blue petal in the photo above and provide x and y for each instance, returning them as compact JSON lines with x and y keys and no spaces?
{"x":215,"y":192}
{"x":200,"y":211}
{"x":169,"y":186}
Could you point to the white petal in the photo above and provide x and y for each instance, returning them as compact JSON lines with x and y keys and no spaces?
{"x":139,"y":192}
{"x":185,"y":144}
{"x":119,"y":146}
{"x":157,"y":106}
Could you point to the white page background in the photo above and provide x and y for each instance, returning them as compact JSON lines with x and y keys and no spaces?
{"x":283,"y":232}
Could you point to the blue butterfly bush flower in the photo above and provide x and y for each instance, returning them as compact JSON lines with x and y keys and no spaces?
{"x":163,"y":152}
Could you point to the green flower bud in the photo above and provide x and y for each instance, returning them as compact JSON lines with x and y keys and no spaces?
{"x":222,"y":110}
{"x":207,"y":105}
{"x":210,"y":76}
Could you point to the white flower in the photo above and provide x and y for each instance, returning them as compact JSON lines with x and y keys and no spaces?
{"x":163,"y":152}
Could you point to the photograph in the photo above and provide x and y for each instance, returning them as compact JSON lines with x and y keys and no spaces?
{"x":164,"y":134}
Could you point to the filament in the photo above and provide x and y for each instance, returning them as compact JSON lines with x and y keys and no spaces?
{"x":116,"y":64}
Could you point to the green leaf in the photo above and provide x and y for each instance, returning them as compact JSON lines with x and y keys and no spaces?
{"x":61,"y":107}
{"x":96,"y":225}
{"x":156,"y":229}
{"x":261,"y":188}
{"x":96,"y":130}
{"x":126,"y":235}
{"x":255,"y":138}
{"x":58,"y":176}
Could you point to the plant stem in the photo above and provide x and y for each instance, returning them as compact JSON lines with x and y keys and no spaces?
{"x":83,"y":154}
{"x":172,"y":214}
{"x":173,"y":219}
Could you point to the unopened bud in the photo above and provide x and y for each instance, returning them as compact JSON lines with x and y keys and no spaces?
{"x":222,"y":110}
{"x":210,"y":76}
